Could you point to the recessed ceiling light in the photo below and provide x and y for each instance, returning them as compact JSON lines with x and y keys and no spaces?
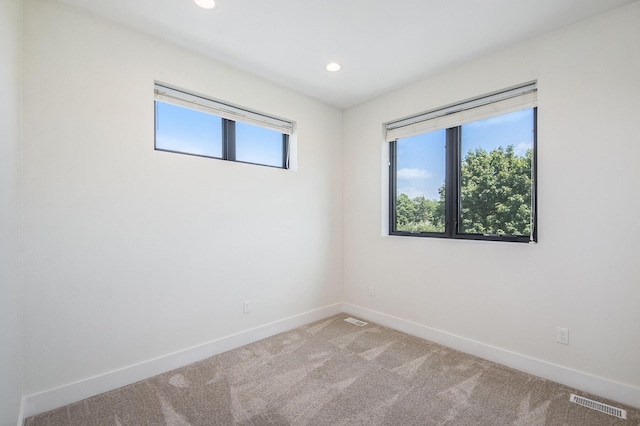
{"x":333,"y":67}
{"x":206,"y":4}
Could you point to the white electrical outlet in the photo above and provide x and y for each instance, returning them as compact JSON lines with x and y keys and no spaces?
{"x":562,"y":335}
{"x":247,"y":306}
{"x":371,"y":291}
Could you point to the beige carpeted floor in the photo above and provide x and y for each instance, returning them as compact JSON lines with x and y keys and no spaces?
{"x":336,"y":373}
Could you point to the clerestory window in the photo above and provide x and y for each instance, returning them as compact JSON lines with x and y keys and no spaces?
{"x":186,"y":123}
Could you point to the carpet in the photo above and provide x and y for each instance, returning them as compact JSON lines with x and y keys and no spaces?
{"x":335,"y":373}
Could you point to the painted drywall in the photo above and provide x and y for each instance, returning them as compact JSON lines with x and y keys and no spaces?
{"x":10,"y":211}
{"x":133,"y":254}
{"x":584,"y":273}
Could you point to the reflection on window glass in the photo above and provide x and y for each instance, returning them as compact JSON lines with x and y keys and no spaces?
{"x":188,"y":131}
{"x":495,"y":175}
{"x":258,"y":145}
{"x":420,"y":177}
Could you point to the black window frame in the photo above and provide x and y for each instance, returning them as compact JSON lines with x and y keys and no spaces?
{"x":228,"y":152}
{"x":452,"y":192}
{"x":228,"y":144}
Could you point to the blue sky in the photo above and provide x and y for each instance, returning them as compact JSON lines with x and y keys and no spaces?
{"x":421,"y":158}
{"x":258,"y":145}
{"x":185,"y":130}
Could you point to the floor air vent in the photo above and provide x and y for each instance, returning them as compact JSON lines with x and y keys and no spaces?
{"x":356,"y":322}
{"x":599,"y":406}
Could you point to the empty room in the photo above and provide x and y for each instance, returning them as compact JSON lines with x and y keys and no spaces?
{"x":319,"y":213}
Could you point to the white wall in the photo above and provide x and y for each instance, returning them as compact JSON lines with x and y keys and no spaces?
{"x":10,"y":211}
{"x":132,"y":254}
{"x":584,"y":273}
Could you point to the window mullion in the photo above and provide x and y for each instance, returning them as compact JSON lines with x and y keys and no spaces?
{"x":229,"y":139}
{"x":452,"y":184}
{"x":392,"y":186}
{"x":534,"y":179}
{"x":285,"y":151}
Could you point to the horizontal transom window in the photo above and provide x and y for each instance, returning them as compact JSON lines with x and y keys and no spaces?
{"x":187,"y":123}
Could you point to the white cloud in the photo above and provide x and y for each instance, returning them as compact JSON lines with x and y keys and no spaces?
{"x":411,"y":174}
{"x":522,"y":147}
{"x":415,"y":191}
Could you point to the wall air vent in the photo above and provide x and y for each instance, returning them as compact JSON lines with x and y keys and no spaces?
{"x":599,"y":406}
{"x":356,"y":322}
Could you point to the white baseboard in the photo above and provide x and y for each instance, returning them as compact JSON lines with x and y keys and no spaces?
{"x":67,"y":394}
{"x":72,"y":392}
{"x":620,"y":392}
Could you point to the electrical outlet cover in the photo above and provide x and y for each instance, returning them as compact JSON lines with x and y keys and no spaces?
{"x":562,"y":335}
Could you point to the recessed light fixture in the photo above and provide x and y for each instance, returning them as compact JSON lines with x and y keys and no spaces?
{"x":333,"y":67}
{"x":206,"y":4}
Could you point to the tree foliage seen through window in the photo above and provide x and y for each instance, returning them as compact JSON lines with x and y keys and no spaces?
{"x":495,"y":190}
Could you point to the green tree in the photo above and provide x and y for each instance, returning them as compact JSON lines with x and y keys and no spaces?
{"x":417,"y":214}
{"x":496,"y":192}
{"x":405,"y":211}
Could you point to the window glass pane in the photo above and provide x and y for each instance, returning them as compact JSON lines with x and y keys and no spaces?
{"x":420,"y":176}
{"x":189,"y":131}
{"x":495,"y":175}
{"x":258,"y":145}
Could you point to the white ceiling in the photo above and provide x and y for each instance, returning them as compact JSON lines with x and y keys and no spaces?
{"x":381,"y":45}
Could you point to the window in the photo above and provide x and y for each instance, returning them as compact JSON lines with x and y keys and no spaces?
{"x":190,"y":124}
{"x":467,"y":170}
